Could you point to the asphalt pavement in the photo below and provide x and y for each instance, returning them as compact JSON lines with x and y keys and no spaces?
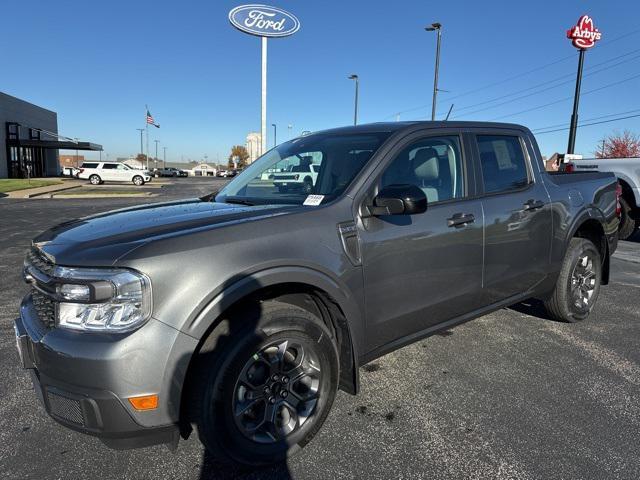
{"x":509,"y":395}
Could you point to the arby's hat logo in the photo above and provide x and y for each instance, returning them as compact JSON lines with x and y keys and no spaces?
{"x":584,"y":35}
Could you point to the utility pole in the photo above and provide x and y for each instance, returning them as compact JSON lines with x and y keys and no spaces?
{"x":437,"y":27}
{"x":603,"y":143}
{"x":355,"y":113}
{"x":275,"y":134}
{"x":289,"y":127}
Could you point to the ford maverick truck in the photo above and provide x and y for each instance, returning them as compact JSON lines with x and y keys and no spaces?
{"x":241,"y":313}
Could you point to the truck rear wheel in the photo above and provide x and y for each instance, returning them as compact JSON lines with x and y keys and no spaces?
{"x":578,"y":284}
{"x":628,"y":223}
{"x":265,"y":389}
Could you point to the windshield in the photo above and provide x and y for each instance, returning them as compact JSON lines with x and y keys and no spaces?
{"x":318,"y":164}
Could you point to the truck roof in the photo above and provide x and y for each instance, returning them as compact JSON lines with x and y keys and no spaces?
{"x":396,"y":126}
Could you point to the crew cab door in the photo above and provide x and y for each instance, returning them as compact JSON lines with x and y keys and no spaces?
{"x":420,"y":270}
{"x":517,"y":214}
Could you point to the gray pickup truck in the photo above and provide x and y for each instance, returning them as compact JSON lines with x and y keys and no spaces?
{"x":627,"y":170}
{"x":241,"y":313}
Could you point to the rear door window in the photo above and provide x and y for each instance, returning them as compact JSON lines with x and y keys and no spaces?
{"x":110,"y":166}
{"x":503,"y":163}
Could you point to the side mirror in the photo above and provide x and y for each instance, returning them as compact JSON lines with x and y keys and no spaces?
{"x":399,"y":200}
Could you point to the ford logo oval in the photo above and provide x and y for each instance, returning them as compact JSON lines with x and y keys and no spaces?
{"x":264,"y":21}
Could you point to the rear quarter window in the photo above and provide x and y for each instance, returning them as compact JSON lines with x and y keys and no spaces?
{"x":89,"y":165}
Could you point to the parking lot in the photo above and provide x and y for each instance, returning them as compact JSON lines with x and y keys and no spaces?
{"x":509,"y":395}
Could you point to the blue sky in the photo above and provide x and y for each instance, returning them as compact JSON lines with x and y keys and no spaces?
{"x":98,"y":63}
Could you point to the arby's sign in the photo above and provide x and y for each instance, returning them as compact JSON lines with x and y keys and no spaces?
{"x":584,"y":34}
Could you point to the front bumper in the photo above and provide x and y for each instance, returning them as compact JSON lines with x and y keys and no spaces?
{"x":83,"y":380}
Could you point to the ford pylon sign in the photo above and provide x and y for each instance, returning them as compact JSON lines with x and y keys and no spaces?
{"x":264,"y":21}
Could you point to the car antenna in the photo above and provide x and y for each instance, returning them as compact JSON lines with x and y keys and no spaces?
{"x":449,"y":112}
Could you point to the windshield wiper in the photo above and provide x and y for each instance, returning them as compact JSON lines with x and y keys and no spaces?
{"x":239,"y":201}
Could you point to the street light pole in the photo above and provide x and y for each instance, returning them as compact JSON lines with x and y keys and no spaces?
{"x":289,"y":127}
{"x":275,"y":134}
{"x":141,"y":130}
{"x":355,"y":113}
{"x":155,"y":159}
{"x":435,"y":27}
{"x":164,"y":157}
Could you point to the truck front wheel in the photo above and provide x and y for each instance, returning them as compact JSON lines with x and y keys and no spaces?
{"x":628,"y":223}
{"x":578,"y":284}
{"x":267,"y":384}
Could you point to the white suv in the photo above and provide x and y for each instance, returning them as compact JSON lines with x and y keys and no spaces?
{"x":299,"y":178}
{"x":100,"y":172}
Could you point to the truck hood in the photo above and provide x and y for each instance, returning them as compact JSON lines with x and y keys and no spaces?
{"x":99,"y":240}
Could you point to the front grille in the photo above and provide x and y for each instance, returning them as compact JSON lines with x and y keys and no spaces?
{"x":65,"y":408}
{"x":285,"y":177}
{"x":43,"y":304}
{"x":39,"y":261}
{"x":45,"y":307}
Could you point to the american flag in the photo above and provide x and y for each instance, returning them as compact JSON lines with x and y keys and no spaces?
{"x":150,"y":120}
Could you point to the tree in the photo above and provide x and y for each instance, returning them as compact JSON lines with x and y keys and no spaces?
{"x":141,"y":157}
{"x":619,"y":146}
{"x":241,"y":153}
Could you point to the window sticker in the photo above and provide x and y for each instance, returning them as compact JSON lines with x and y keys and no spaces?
{"x":313,"y":200}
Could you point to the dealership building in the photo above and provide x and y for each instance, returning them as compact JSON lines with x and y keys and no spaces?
{"x":29,"y":140}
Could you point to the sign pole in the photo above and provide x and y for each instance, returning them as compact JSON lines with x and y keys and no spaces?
{"x":263,"y":119}
{"x":576,"y":101}
{"x":583,"y":35}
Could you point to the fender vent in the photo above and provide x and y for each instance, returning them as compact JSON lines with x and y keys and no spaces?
{"x":350,"y":242}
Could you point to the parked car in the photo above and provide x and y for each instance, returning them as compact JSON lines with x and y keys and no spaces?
{"x":169,"y":172}
{"x":627,"y":170}
{"x":100,"y":172}
{"x":134,"y":334}
{"x":225,"y":173}
{"x":70,"y":171}
{"x":300,"y":177}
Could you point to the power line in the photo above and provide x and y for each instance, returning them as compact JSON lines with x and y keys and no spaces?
{"x":542,"y":67}
{"x":589,"y":124}
{"x":566,"y":98}
{"x":601,"y":44}
{"x":571,"y":80}
{"x":587,"y":119}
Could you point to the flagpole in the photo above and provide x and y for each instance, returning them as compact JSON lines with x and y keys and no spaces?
{"x":147,"y":126}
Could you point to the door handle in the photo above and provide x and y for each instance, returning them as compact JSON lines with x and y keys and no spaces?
{"x":459,"y":220}
{"x":533,"y":204}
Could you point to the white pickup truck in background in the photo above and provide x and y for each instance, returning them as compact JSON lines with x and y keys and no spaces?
{"x":628,"y":172}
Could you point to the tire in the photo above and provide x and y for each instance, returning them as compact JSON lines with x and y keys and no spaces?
{"x":272,"y":330}
{"x":95,"y":179}
{"x":628,"y":224}
{"x":578,"y":284}
{"x":138,"y":180}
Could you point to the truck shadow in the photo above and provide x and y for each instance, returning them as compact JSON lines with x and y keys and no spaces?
{"x":532,"y":307}
{"x":213,"y":470}
{"x":239,"y":320}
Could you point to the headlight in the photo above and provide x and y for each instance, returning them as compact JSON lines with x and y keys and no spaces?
{"x":102,"y":300}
